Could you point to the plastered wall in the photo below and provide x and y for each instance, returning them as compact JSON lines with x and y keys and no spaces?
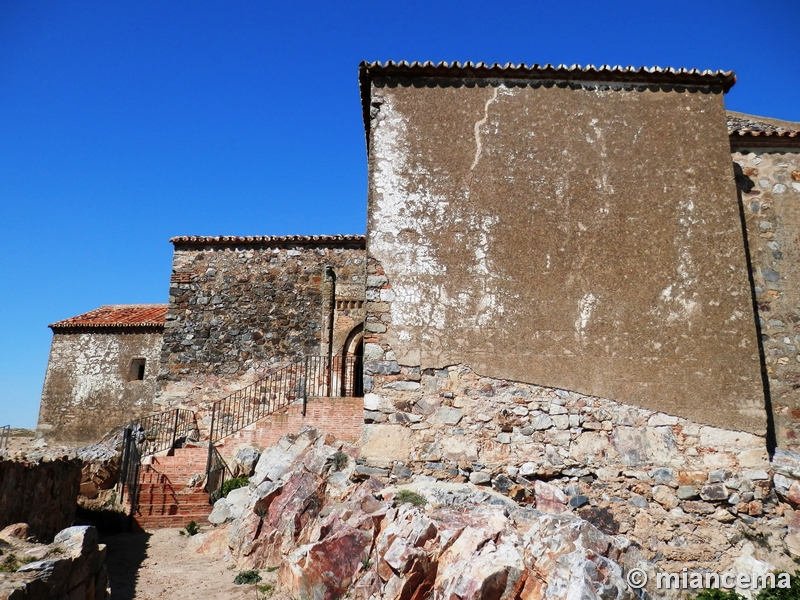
{"x":567,"y":236}
{"x":89,"y":388}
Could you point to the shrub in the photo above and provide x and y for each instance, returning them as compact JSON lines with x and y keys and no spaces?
{"x":714,"y":594}
{"x":792,"y":593}
{"x":409,"y":497}
{"x":10,"y":564}
{"x":234,"y":484}
{"x":247,"y":577}
{"x":192,"y":528}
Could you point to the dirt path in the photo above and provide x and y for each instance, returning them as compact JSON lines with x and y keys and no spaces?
{"x":160,"y":566}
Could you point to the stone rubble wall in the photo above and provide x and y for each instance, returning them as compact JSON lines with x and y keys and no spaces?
{"x":689,"y":495}
{"x":772,"y":216}
{"x":43,"y":495}
{"x":235,"y":312}
{"x":88,"y":388}
{"x":72,"y":567}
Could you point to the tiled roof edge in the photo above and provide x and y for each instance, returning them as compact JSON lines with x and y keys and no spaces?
{"x":84,"y":320}
{"x":589,"y":73}
{"x":62,"y":325}
{"x":741,"y":139}
{"x":261,"y":240}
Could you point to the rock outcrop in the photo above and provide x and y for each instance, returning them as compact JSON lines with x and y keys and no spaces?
{"x":73,"y":566}
{"x":336,"y":531}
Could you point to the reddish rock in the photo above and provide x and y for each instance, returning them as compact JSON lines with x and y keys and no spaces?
{"x":549,"y":498}
{"x":326,"y":570}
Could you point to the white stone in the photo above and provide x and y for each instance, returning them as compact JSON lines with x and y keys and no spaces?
{"x":661,"y":419}
{"x":731,"y":441}
{"x":221,"y":512}
{"x":561,"y":421}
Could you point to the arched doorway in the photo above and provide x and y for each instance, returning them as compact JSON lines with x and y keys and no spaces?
{"x":353,"y":363}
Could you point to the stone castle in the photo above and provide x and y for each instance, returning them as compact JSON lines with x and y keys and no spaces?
{"x":561,"y":270}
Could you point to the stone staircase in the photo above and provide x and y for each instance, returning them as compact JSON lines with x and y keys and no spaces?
{"x":165,"y":497}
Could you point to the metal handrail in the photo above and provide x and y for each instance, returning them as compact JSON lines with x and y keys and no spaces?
{"x":217,"y":475}
{"x":148,"y":435}
{"x":306,"y":377}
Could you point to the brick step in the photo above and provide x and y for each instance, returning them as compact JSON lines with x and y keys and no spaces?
{"x":160,"y":466}
{"x":161,"y":498}
{"x":151,"y":523}
{"x":173,"y":510}
{"x":175,"y":468}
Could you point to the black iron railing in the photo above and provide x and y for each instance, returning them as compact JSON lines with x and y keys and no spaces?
{"x":5,"y":433}
{"x":307,"y":377}
{"x":149,"y":435}
{"x":129,"y":471}
{"x":217,"y":475}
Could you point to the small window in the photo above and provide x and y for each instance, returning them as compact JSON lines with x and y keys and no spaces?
{"x":137,"y":369}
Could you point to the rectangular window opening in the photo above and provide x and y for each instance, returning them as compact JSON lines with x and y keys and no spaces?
{"x":137,"y":369}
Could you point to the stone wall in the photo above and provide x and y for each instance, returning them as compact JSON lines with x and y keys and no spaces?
{"x":239,"y":307}
{"x":89,"y":387}
{"x":44,"y":495}
{"x":574,"y":236}
{"x":772,"y":216}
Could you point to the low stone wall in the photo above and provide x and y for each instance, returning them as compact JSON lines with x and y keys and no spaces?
{"x":43,"y":495}
{"x":73,"y":566}
{"x":341,"y":417}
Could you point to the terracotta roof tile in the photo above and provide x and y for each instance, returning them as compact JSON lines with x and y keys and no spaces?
{"x":748,"y":131}
{"x":118,"y":315}
{"x":275,"y":240}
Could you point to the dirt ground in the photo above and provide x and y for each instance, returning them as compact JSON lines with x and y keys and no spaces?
{"x":162,"y":565}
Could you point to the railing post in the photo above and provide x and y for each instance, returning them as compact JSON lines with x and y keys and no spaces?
{"x":175,"y":428}
{"x":305,"y":387}
{"x":210,"y":441}
{"x":126,"y":453}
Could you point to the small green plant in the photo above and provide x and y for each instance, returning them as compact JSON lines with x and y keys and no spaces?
{"x":759,"y":539}
{"x":340,"y":460}
{"x":234,"y":484}
{"x":191,"y":529}
{"x":247,"y":577}
{"x":266,"y":589}
{"x":366,"y":563}
{"x":716,"y":594}
{"x":409,"y":497}
{"x":10,"y":564}
{"x":777,"y":593}
{"x":272,"y":569}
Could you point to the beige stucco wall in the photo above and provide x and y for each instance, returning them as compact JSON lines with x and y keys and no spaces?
{"x":88,"y":388}
{"x":578,"y":238}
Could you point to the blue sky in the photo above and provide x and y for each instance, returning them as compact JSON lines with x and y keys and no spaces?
{"x":123,"y":124}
